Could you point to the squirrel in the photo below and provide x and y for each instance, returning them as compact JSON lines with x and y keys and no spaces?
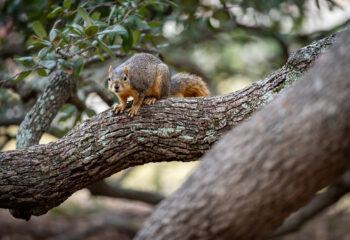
{"x":146,"y":78}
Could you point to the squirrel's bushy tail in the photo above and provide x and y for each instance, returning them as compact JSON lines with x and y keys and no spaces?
{"x":188,"y":85}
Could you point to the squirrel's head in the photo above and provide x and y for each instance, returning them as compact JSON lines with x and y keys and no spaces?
{"x":118,"y":79}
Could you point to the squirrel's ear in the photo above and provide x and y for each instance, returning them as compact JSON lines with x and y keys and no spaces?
{"x":126,"y":70}
{"x":110,"y":70}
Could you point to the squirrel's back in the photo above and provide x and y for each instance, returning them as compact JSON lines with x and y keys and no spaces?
{"x":141,"y":65}
{"x":188,"y":85}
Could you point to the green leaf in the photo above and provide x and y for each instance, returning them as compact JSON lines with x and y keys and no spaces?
{"x":94,"y":43}
{"x":49,"y":64}
{"x":25,"y":61}
{"x":154,"y":24}
{"x":55,"y":12}
{"x":136,"y":35}
{"x":85,"y":15}
{"x":221,"y":15}
{"x":45,"y":43}
{"x":43,"y":52}
{"x":100,"y":56}
{"x":90,"y":112}
{"x":23,"y":75}
{"x":96,"y":15}
{"x":67,"y":4}
{"x":76,"y":29}
{"x":41,"y":72}
{"x":127,"y":41}
{"x":39,"y":29}
{"x":142,"y":24}
{"x":78,"y":66}
{"x":111,"y":13}
{"x":118,"y":29}
{"x":105,"y":48}
{"x":138,"y":22}
{"x":67,"y":111}
{"x":91,"y":30}
{"x":53,"y":35}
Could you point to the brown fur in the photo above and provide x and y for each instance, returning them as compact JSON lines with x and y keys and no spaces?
{"x":154,"y":90}
{"x":188,"y":85}
{"x":146,"y":78}
{"x":128,"y":91}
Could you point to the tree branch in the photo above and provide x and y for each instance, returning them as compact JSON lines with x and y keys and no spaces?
{"x":269,"y":166}
{"x":171,"y":130}
{"x":321,"y":202}
{"x":39,"y":118}
{"x":102,"y":188}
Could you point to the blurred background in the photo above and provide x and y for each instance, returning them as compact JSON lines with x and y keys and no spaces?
{"x":230,"y":44}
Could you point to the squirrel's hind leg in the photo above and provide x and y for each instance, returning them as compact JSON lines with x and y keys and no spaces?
{"x":160,"y":87}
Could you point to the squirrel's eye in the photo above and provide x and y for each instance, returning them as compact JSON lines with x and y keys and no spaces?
{"x":125,"y":78}
{"x":109,"y":79}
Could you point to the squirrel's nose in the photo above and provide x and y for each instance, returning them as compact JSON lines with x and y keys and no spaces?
{"x":116,"y":88}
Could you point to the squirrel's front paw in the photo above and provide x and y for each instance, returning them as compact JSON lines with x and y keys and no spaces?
{"x":150,"y":100}
{"x":119,"y":108}
{"x":134,"y":110}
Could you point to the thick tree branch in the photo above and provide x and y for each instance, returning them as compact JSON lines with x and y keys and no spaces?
{"x":39,"y":118}
{"x":171,"y":130}
{"x":269,"y":166}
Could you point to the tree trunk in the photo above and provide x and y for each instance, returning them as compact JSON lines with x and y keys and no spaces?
{"x":269,"y":166}
{"x":38,"y":178}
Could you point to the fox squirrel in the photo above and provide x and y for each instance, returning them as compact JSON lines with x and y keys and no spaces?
{"x":147,"y":79}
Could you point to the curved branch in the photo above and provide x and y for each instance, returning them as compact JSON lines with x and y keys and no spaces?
{"x":269,"y":166}
{"x":321,"y":202}
{"x":39,"y":118}
{"x":171,"y":130}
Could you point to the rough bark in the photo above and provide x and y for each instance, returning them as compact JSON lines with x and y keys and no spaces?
{"x":39,"y":118}
{"x":269,"y":166}
{"x":39,"y":178}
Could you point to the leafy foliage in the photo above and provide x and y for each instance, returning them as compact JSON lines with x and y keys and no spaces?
{"x":66,"y":34}
{"x":74,"y":31}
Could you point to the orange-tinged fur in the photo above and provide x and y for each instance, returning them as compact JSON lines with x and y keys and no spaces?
{"x":154,"y":90}
{"x":128,"y":91}
{"x":188,"y":85}
{"x":193,"y":91}
{"x":146,"y":79}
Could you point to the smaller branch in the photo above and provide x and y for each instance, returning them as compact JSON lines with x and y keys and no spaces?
{"x":102,"y":188}
{"x":127,"y":224}
{"x":6,"y":121}
{"x":74,"y":99}
{"x":96,"y":59}
{"x":39,"y":118}
{"x":320,"y":203}
{"x":23,"y":90}
{"x":101,"y":92}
